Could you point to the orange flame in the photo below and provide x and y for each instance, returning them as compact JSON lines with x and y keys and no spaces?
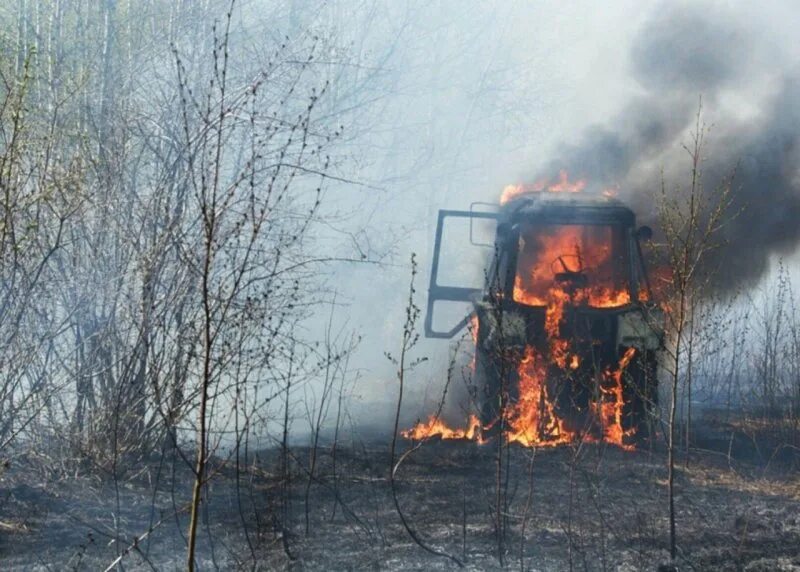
{"x":612,"y":402}
{"x":511,"y":192}
{"x":532,"y":420}
{"x":559,"y":266}
{"x":574,"y":362}
{"x":568,"y":250}
{"x":562,"y":185}
{"x":435,"y":427}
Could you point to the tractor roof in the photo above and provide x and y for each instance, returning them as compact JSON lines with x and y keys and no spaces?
{"x":567,"y":208}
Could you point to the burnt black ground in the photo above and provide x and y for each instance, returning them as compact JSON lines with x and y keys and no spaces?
{"x":592,"y":507}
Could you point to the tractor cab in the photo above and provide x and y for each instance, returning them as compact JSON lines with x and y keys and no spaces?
{"x":565,"y":300}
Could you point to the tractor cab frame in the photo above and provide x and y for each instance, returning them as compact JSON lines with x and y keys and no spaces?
{"x":583,"y":253}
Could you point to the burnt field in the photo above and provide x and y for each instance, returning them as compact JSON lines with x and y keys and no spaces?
{"x":369,"y":285}
{"x":579,"y":507}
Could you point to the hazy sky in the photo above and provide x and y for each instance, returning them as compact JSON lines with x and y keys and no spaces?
{"x":465,"y":97}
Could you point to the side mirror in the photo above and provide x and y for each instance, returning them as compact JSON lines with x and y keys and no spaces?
{"x":644,"y":233}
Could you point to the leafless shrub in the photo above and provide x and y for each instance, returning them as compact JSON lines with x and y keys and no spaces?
{"x":690,"y":222}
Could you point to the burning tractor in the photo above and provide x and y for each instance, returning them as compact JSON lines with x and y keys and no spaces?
{"x":566,"y":334}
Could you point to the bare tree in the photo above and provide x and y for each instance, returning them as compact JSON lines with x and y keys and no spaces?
{"x":249,"y":150}
{"x":404,"y":365}
{"x":690,"y":220}
{"x":40,"y":191}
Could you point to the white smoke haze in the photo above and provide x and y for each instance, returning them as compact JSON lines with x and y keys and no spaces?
{"x":443,"y":104}
{"x":208,"y":210}
{"x":480,"y":96}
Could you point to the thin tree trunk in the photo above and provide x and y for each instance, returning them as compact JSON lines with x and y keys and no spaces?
{"x":689,"y":368}
{"x":200,"y":463}
{"x":671,"y":465}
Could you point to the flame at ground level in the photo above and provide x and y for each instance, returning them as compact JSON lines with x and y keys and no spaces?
{"x":610,"y":408}
{"x":532,"y":419}
{"x":435,"y":427}
{"x":559,"y":266}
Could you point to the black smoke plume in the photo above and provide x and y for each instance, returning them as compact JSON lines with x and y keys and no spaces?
{"x":682,"y":54}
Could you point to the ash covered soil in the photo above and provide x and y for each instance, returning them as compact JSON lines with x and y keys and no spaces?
{"x":591,"y":507}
